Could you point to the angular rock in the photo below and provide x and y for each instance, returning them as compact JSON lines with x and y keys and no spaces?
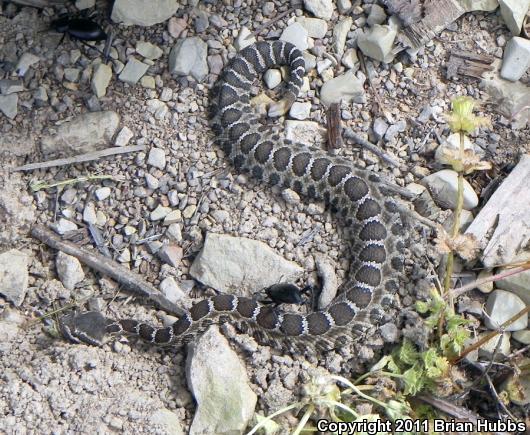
{"x":300,"y":110}
{"x":377,"y":15}
{"x":123,"y":137}
{"x":148,"y":50}
{"x":133,"y":71}
{"x":243,"y":40}
{"x":168,"y":420}
{"x":516,"y":58}
{"x":451,"y":144}
{"x":513,"y":13}
{"x":101,"y":79}
{"x":330,"y":283}
{"x":502,"y":226}
{"x":503,"y":305}
{"x":443,"y":186}
{"x":69,"y":270}
{"x":345,"y":87}
{"x":295,"y":34}
{"x":157,"y":158}
{"x":171,"y":290}
{"x":378,"y":42}
{"x":487,"y":350}
{"x":479,"y":5}
{"x":14,"y":275}
{"x":11,"y":86}
{"x":340,"y":32}
{"x":25,"y":61}
{"x":160,"y":212}
{"x":189,"y":56}
{"x":171,"y":254}
{"x":143,"y":12}
{"x":307,"y":132}
{"x":228,"y":264}
{"x":519,"y":283}
{"x":316,"y":28}
{"x":225,"y":402}
{"x":9,"y":105}
{"x":320,"y":8}
{"x":88,"y":132}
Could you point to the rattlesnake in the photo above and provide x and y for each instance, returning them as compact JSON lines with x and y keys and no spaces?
{"x":357,"y":195}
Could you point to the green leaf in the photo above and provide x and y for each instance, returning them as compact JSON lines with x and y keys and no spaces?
{"x":408,"y":353}
{"x":414,"y":380}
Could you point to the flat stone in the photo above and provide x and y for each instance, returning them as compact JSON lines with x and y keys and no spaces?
{"x":501,"y":227}
{"x":101,"y":79}
{"x":168,"y":420}
{"x":133,"y":71}
{"x":63,"y":226}
{"x":479,"y":5}
{"x":501,"y":306}
{"x":243,"y":39}
{"x":157,"y":158}
{"x":89,"y":213}
{"x":307,"y":132}
{"x":25,"y":61}
{"x":519,"y":283}
{"x":14,"y":276}
{"x":450,"y":145}
{"x":345,"y":87}
{"x":516,"y":58}
{"x":102,"y":193}
{"x":378,"y":42}
{"x":377,"y":15}
{"x":173,"y":217}
{"x":330,"y":283}
{"x":296,"y":34}
{"x":175,"y":26}
{"x":220,"y":386}
{"x":143,"y":12}
{"x":69,"y":270}
{"x":189,"y":56}
{"x":380,"y":127}
{"x":443,"y":186}
{"x":316,"y":28}
{"x":487,"y":350}
{"x":160,"y":212}
{"x":522,"y":336}
{"x":87,"y":132}
{"x":227,"y":263}
{"x":300,"y":110}
{"x":171,"y":254}
{"x":320,"y":8}
{"x":9,"y":105}
{"x":11,"y":86}
{"x":123,"y":137}
{"x":513,"y":13}
{"x":350,"y":58}
{"x":340,"y":32}
{"x":148,"y":50}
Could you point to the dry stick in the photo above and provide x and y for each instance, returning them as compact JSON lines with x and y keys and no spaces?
{"x":489,"y":336}
{"x":270,"y":22}
{"x":499,"y":400}
{"x":350,"y":134}
{"x":465,"y":288}
{"x":81,"y":158}
{"x":130,"y":280}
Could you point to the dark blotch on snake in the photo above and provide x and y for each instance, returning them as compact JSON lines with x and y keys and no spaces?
{"x":200,"y":309}
{"x":342,"y":313}
{"x":317,"y":323}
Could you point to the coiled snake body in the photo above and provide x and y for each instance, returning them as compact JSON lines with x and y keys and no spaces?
{"x":356,"y":195}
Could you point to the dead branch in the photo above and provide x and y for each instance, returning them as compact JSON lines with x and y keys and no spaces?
{"x":106,"y":266}
{"x":334,"y":127}
{"x":350,"y":134}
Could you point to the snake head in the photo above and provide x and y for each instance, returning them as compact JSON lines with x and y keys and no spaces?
{"x":88,"y":327}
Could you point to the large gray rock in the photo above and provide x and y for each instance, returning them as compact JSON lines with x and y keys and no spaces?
{"x":189,"y":56}
{"x":443,"y":186}
{"x":316,"y":28}
{"x":378,"y":42}
{"x":237,"y":264}
{"x":14,"y":275}
{"x":143,"y":12}
{"x":225,"y":402}
{"x":345,"y":87}
{"x":296,"y":34}
{"x":88,"y":132}
{"x":513,"y":13}
{"x":320,"y":8}
{"x":516,"y":59}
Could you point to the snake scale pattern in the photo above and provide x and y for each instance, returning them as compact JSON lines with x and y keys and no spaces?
{"x":355,"y":195}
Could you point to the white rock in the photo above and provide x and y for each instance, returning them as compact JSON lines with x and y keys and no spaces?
{"x":227,"y":263}
{"x":503,"y":305}
{"x":487,"y":350}
{"x":101,"y":79}
{"x":307,"y":132}
{"x":157,"y":158}
{"x":519,"y":283}
{"x":133,"y":71}
{"x":377,"y":42}
{"x":349,"y":58}
{"x":243,"y":39}
{"x":516,"y":58}
{"x":89,"y":213}
{"x":377,"y":15}
{"x":14,"y":276}
{"x":168,"y":420}
{"x":171,"y":290}
{"x":63,"y":226}
{"x":522,"y":336}
{"x":300,"y":110}
{"x":220,"y":386}
{"x":320,"y":8}
{"x":513,"y":13}
{"x":88,"y":132}
{"x":309,"y":60}
{"x":443,"y":186}
{"x":25,"y":61}
{"x":340,"y":32}
{"x":272,"y":78}
{"x":452,"y":143}
{"x":148,"y":50}
{"x":296,"y":34}
{"x":174,"y":232}
{"x":330,"y":283}
{"x":344,"y":6}
{"x":102,"y":193}
{"x":69,"y":270}
{"x":173,"y":217}
{"x":159,"y":213}
{"x":143,"y":12}
{"x":501,"y":226}
{"x":290,"y":196}
{"x":487,"y":287}
{"x":152,"y":181}
{"x":123,"y":137}
{"x":316,"y":28}
{"x":345,"y":87}
{"x":479,"y":5}
{"x":189,"y":56}
{"x":9,"y":105}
